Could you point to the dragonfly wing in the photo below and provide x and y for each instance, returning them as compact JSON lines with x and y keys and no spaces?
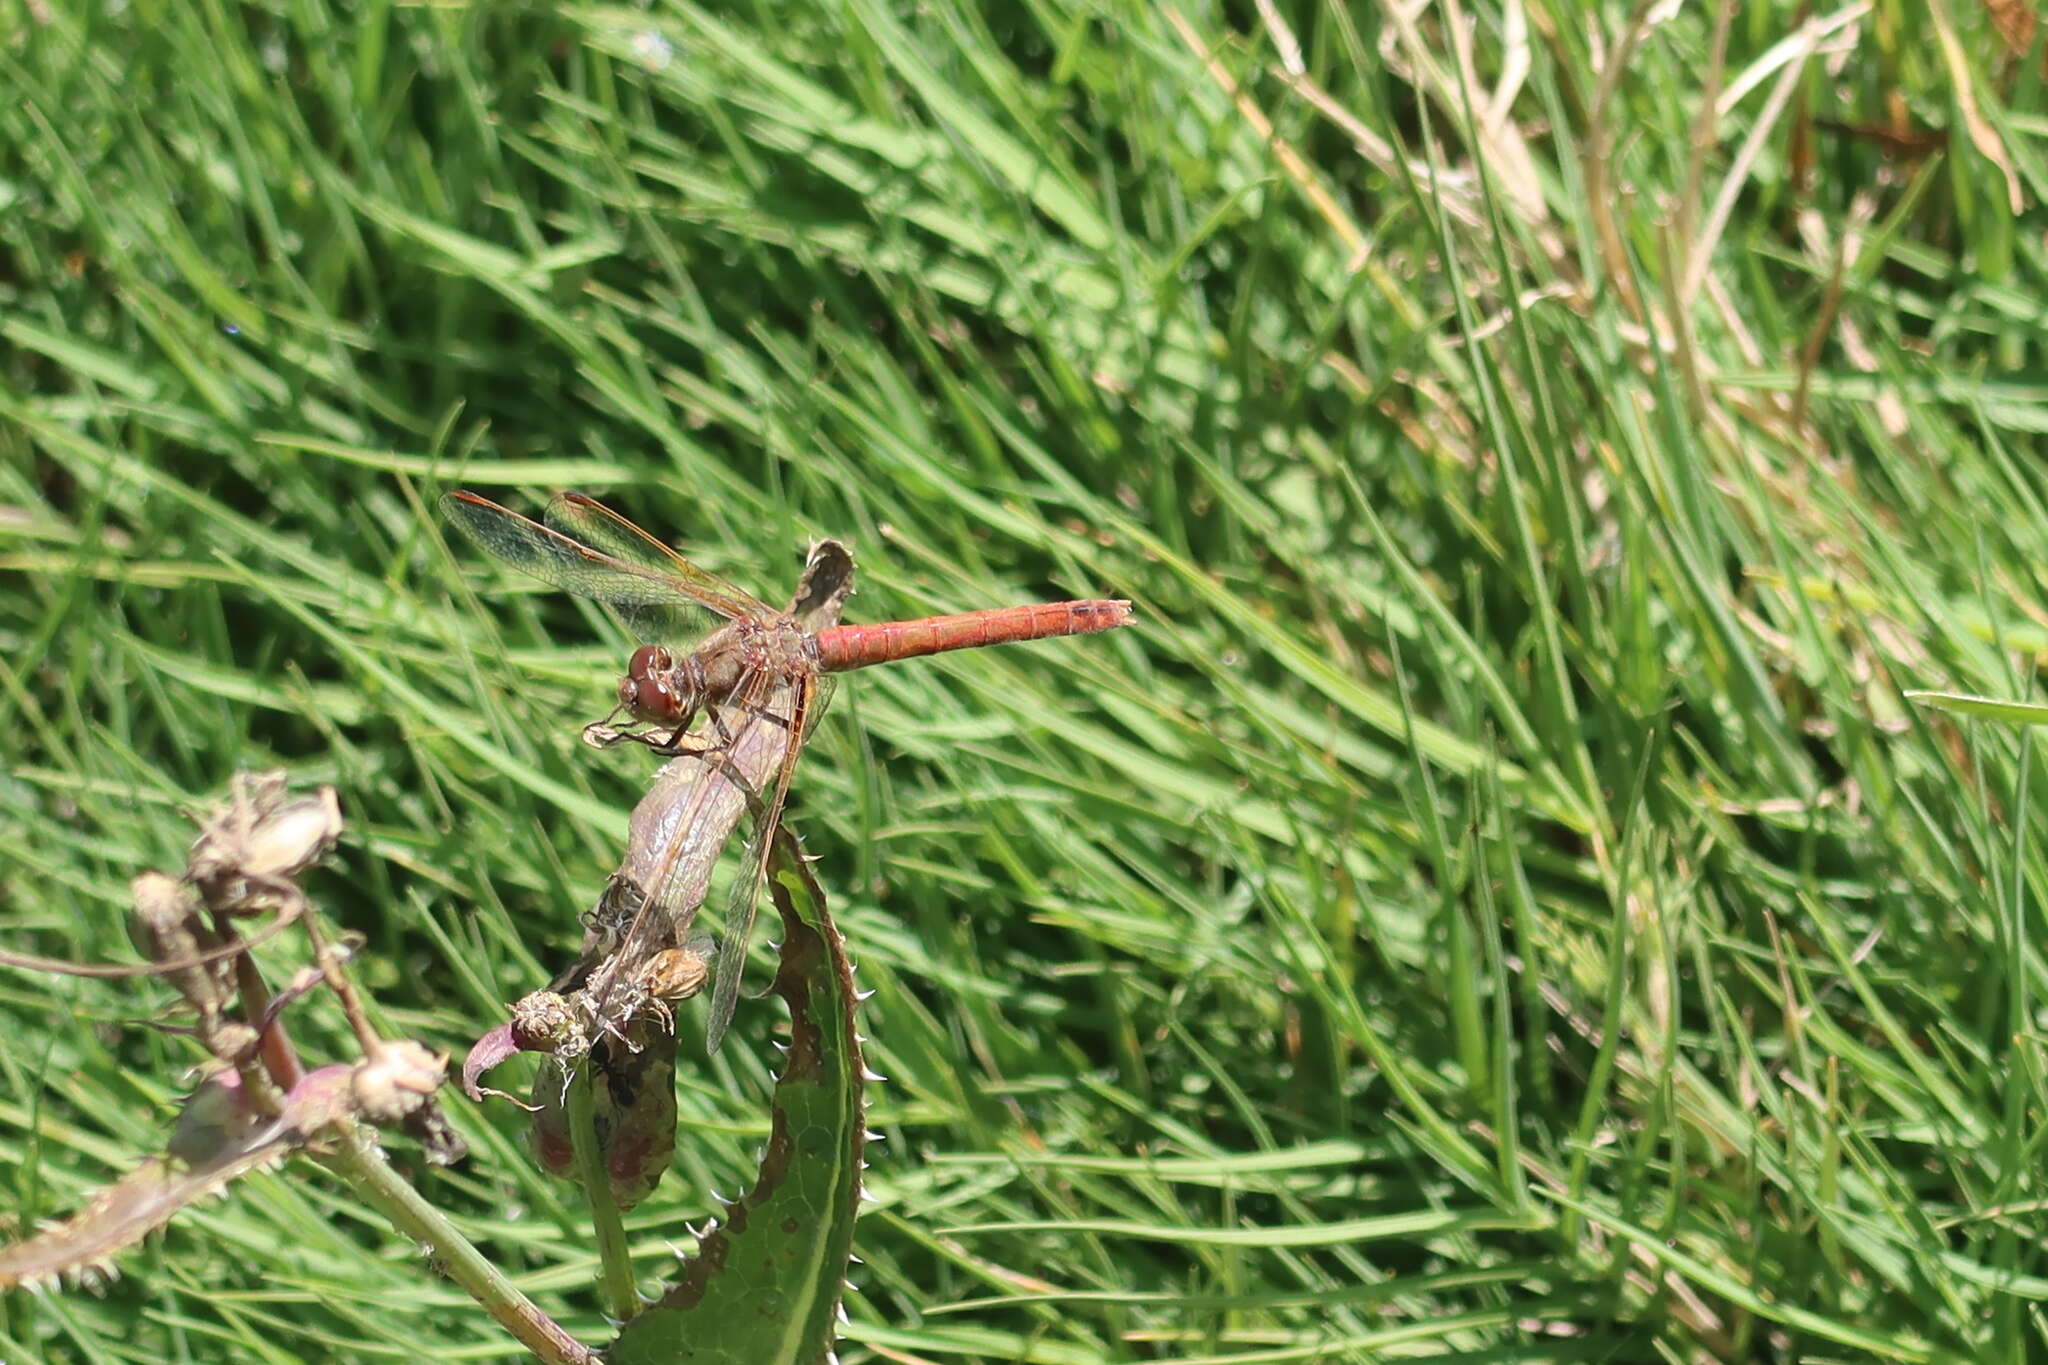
{"x":675,"y":836}
{"x":753,"y":869}
{"x":591,"y":522}
{"x":821,"y":697}
{"x":659,"y":605}
{"x":679,"y":827}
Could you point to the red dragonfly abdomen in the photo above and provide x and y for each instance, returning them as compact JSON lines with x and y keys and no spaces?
{"x":844,"y":647}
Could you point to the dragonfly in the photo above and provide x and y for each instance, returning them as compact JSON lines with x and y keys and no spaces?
{"x":756,"y":677}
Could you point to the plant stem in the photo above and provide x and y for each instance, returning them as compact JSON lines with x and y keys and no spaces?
{"x":615,"y":1283}
{"x":280,"y":1058}
{"x":359,"y":1160}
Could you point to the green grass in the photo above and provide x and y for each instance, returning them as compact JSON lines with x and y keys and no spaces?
{"x":1497,"y":904}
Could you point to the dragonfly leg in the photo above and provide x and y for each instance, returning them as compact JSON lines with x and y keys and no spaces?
{"x":666,"y":742}
{"x":674,"y":743}
{"x":679,"y":740}
{"x":599,"y":734}
{"x":724,"y":735}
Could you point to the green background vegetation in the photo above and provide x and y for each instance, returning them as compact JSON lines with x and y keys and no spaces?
{"x":1495,"y":905}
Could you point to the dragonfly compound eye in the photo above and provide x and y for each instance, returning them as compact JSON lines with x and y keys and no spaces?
{"x":648,"y":689}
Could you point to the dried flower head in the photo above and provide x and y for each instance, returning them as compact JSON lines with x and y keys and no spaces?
{"x":259,"y":839}
{"x":543,"y":1021}
{"x":398,"y":1082}
{"x":161,"y":924}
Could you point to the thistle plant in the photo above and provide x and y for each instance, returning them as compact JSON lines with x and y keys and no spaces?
{"x":763,"y":1284}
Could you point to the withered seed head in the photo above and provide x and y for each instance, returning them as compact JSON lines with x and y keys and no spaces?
{"x":160,"y":924}
{"x":158,"y":919}
{"x":260,"y":837}
{"x":398,"y":1082}
{"x":233,"y":1041}
{"x":160,"y":910}
{"x":543,"y":1021}
{"x":294,"y":837}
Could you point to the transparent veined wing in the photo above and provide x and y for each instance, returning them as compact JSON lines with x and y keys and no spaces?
{"x":592,"y":523}
{"x":679,"y":828}
{"x":745,"y":896}
{"x":656,"y":606}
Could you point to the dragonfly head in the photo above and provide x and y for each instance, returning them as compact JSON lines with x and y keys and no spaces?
{"x":650,"y":691}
